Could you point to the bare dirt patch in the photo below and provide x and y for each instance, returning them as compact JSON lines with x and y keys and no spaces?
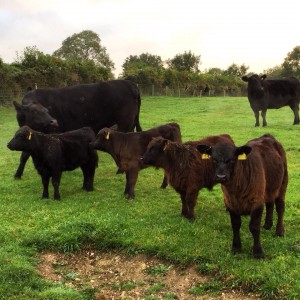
{"x":117,"y":276}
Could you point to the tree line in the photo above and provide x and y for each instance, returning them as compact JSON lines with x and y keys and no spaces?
{"x":82,"y":59}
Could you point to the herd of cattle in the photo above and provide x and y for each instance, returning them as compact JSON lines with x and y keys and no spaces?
{"x":62,"y":129}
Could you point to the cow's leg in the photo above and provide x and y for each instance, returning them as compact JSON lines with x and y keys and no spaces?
{"x":55,"y":182}
{"x":254,"y":227}
{"x":236,"y":223}
{"x":131,"y":179}
{"x":23,"y":159}
{"x":295,"y":109}
{"x":164,"y":183}
{"x":45,"y":181}
{"x":280,"y":204}
{"x":184,"y":206}
{"x":191,"y":199}
{"x":256,"y":114}
{"x":88,"y":172}
{"x":263,"y":115}
{"x":269,"y":215}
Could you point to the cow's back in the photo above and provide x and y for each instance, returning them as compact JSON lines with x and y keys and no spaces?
{"x":75,"y":147}
{"x":274,"y":162}
{"x":280,"y":92}
{"x":95,"y":105}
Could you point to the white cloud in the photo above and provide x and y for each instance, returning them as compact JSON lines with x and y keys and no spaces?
{"x":258,"y":34}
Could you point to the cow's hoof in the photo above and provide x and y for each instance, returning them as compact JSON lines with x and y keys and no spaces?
{"x":236,"y":250}
{"x":268,"y":226}
{"x":258,"y":255}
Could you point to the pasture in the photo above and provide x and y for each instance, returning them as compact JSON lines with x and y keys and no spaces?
{"x":151,"y":223}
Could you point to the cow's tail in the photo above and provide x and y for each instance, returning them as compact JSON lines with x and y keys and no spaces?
{"x":137,"y":118}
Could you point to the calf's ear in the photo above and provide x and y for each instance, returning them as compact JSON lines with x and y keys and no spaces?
{"x":165,"y":144}
{"x":106,"y":134}
{"x":17,"y":106}
{"x":114,"y":127}
{"x":205,"y":150}
{"x":245,"y":78}
{"x":263,"y":77}
{"x":242,"y":152}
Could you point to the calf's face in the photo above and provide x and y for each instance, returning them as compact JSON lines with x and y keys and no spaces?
{"x":154,"y":154}
{"x":103,"y":140}
{"x":224,"y":157}
{"x":21,"y":140}
{"x":36,"y":117}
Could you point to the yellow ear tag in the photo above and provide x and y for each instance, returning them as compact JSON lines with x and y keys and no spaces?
{"x":107,"y":136}
{"x":29,"y":135}
{"x":242,"y":156}
{"x":205,"y":156}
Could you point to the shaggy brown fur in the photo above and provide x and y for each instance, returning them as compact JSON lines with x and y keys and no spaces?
{"x":259,"y":179}
{"x":187,"y":173}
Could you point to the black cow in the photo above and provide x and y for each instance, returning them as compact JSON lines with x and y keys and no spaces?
{"x":272,"y":93}
{"x":54,"y":153}
{"x":127,"y":149}
{"x":95,"y":105}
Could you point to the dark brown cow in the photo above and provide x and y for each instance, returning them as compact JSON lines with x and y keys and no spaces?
{"x":187,"y":173}
{"x":54,"y":153}
{"x":251,"y":176}
{"x":127,"y":149}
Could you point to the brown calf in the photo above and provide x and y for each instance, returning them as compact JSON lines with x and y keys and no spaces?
{"x":251,"y":176}
{"x":127,"y":149}
{"x":187,"y":173}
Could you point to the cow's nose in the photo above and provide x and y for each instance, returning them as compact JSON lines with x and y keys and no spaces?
{"x":221,"y":176}
{"x":9,"y":146}
{"x":54,"y":123}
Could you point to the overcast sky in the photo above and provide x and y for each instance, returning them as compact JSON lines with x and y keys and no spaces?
{"x":256,"y":33}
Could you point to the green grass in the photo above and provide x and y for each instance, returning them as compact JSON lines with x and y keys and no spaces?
{"x":151,"y":223}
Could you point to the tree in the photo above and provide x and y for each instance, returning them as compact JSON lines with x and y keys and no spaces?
{"x":186,"y":62}
{"x":291,"y":64}
{"x":143,"y":69}
{"x":85,"y":45}
{"x":41,"y":69}
{"x":236,"y":70}
{"x":275,"y":72}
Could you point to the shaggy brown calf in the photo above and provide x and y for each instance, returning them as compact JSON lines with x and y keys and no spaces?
{"x":251,"y":176}
{"x":127,"y":149}
{"x":187,"y":173}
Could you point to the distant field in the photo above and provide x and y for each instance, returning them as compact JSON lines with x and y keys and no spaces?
{"x":150,"y":224}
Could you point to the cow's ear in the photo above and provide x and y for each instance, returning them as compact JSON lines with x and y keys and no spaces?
{"x":165,"y":144}
{"x":114,"y":127}
{"x":205,"y":150}
{"x":106,"y":133}
{"x":242,"y":152}
{"x":29,"y":135}
{"x":263,"y":77}
{"x":17,"y":106}
{"x":245,"y":78}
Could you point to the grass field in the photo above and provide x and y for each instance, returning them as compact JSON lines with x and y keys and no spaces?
{"x":151,"y":223}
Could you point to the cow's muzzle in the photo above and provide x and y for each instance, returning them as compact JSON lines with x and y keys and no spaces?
{"x":221,"y":178}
